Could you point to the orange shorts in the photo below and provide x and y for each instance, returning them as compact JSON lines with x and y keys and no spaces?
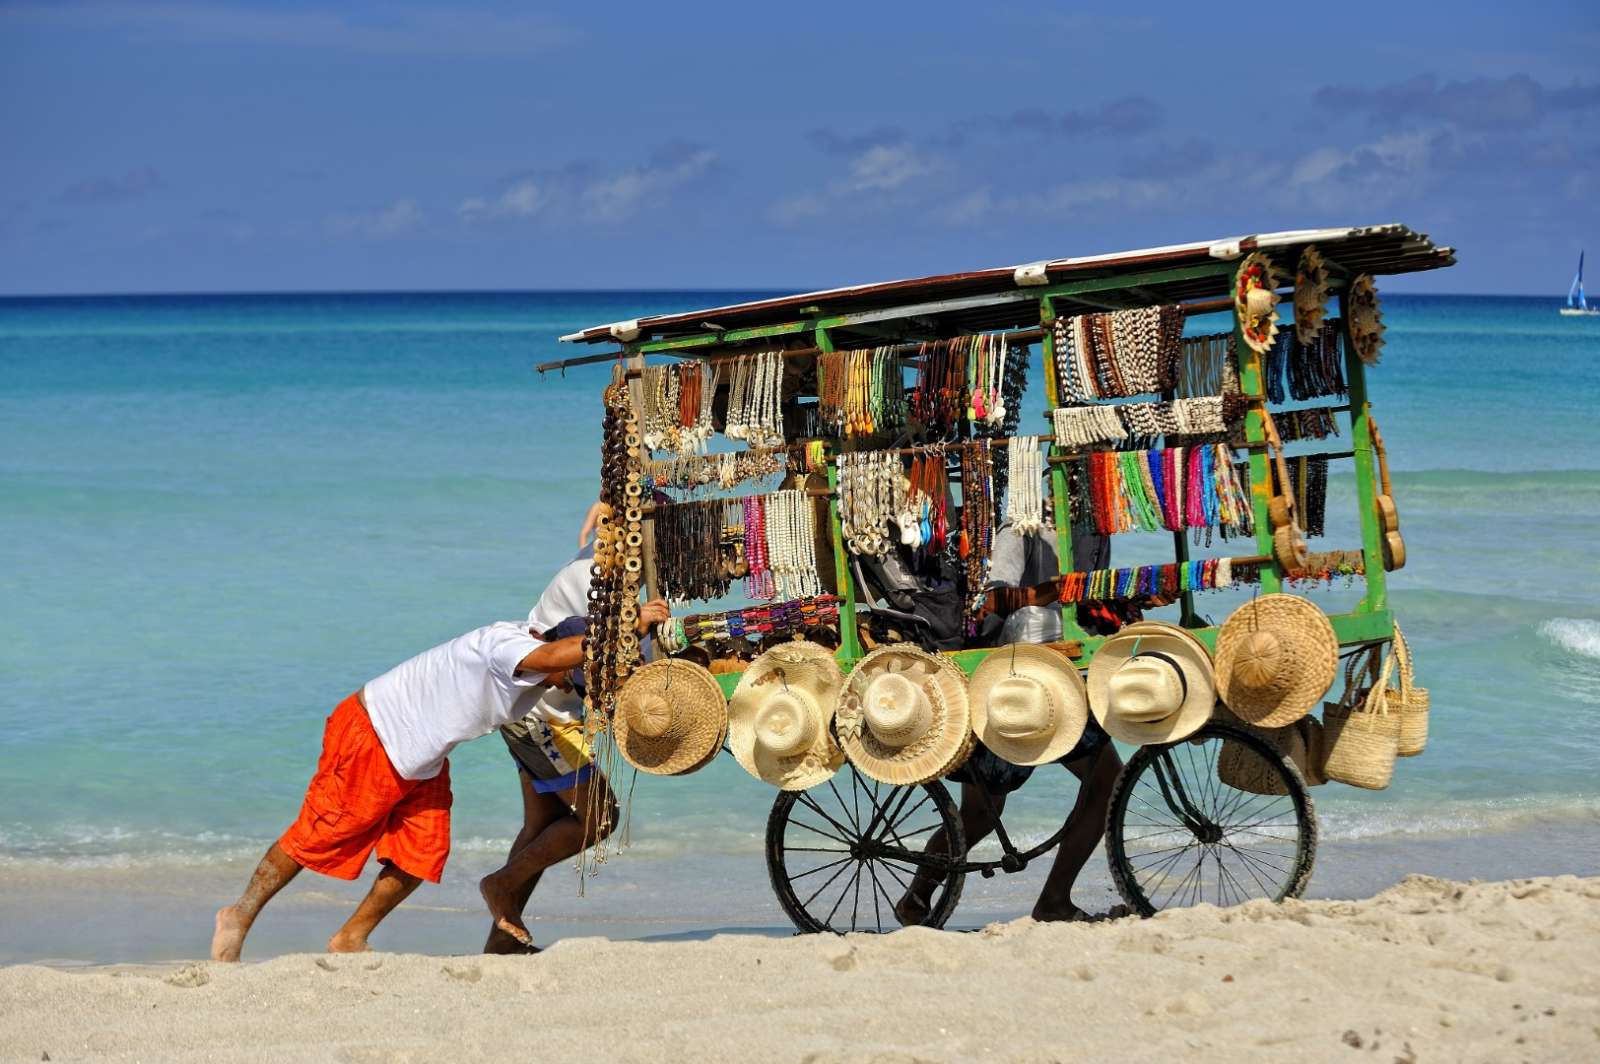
{"x":357,"y":801}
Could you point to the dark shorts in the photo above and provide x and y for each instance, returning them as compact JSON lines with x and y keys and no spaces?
{"x":998,"y":776}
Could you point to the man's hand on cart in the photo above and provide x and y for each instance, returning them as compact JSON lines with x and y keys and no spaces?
{"x":653,"y":613}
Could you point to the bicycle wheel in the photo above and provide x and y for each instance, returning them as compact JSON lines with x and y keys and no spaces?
{"x":1177,"y":834}
{"x":842,"y":855}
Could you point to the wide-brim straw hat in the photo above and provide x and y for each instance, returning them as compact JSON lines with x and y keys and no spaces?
{"x":903,"y":717}
{"x":778,"y":716}
{"x":670,"y":718}
{"x":1276,"y":657}
{"x":1029,"y":705}
{"x":1152,"y":683}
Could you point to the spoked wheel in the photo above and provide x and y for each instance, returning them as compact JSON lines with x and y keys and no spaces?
{"x":843,"y":855}
{"x":1180,"y":831}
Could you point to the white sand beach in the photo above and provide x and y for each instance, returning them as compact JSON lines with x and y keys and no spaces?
{"x":1428,"y":970}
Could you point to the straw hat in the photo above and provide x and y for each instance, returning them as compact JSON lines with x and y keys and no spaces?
{"x":1310,"y":294}
{"x":1276,"y":657}
{"x":903,"y":718}
{"x":1029,"y":705}
{"x":670,"y":718}
{"x":778,"y":716}
{"x":1151,"y":683}
{"x":1255,"y":301}
{"x":1364,"y":317}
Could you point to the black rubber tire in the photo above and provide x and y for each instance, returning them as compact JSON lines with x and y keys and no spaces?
{"x":810,"y":916}
{"x":1286,"y":881}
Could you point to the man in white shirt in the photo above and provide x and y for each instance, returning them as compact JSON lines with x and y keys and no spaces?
{"x":383,"y":780}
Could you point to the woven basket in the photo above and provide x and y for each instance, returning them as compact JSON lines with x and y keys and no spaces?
{"x":1361,"y":733}
{"x":1409,"y":700}
{"x":1243,"y":769}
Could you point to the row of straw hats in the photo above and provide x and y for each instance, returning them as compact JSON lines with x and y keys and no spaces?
{"x":904,"y":716}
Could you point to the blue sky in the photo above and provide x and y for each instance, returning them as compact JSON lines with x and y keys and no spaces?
{"x":186,"y":146}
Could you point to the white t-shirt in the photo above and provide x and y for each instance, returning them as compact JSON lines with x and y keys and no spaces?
{"x":567,"y":595}
{"x":422,"y":708}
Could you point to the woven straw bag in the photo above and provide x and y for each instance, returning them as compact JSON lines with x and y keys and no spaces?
{"x":1241,"y":768}
{"x":1411,"y":701}
{"x":1361,"y":732}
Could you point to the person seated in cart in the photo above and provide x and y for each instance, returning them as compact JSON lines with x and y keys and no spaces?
{"x":986,"y":779}
{"x":567,"y":804}
{"x":383,"y":780}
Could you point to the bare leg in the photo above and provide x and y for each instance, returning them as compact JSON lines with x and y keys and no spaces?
{"x":539,"y":811}
{"x":1085,"y":826}
{"x":233,"y":923}
{"x":561,"y":839}
{"x":978,"y":818}
{"x":392,"y":887}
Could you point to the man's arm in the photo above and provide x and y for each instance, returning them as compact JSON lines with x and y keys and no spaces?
{"x":559,"y":656}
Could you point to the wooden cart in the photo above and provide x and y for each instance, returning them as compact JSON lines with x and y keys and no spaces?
{"x":841,"y":854}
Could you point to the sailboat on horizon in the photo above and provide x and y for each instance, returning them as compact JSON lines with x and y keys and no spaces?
{"x":1577,"y":305}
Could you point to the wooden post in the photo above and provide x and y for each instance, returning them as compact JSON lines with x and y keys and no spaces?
{"x":1070,"y":629}
{"x":1253,"y":383}
{"x":849,"y":637}
{"x":1355,"y":371}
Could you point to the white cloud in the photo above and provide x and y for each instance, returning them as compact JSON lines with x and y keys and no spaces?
{"x":585,"y":193}
{"x":886,"y":167}
{"x":397,"y":219}
{"x":875,"y":177}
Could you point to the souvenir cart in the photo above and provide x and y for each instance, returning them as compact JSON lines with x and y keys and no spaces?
{"x":929,"y":585}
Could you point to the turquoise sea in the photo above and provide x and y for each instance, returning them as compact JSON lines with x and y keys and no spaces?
{"x":221,"y":514}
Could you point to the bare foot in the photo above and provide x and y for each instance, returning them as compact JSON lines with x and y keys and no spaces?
{"x":343,"y":943}
{"x":912,"y":909}
{"x":500,"y":902}
{"x":1066,"y":913}
{"x":228,"y":937}
{"x":501,"y":942}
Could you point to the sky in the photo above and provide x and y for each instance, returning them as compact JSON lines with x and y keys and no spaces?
{"x":190,"y":147}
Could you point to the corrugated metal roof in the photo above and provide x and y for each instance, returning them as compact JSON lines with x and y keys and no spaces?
{"x":993,"y":298}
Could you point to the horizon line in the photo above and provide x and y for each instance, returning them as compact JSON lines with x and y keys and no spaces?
{"x":675,"y":290}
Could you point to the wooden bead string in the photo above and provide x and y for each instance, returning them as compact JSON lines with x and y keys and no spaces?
{"x":726,"y":471}
{"x":860,"y":392}
{"x":1209,"y":367}
{"x":1306,"y":371}
{"x":1308,"y":481}
{"x":689,"y":549}
{"x":976,"y":544}
{"x":1160,"y":582}
{"x":1118,"y":353}
{"x":1174,"y":488}
{"x":973,"y":380}
{"x":754,"y":623}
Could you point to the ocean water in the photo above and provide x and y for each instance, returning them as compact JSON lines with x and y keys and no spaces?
{"x":220,"y":515}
